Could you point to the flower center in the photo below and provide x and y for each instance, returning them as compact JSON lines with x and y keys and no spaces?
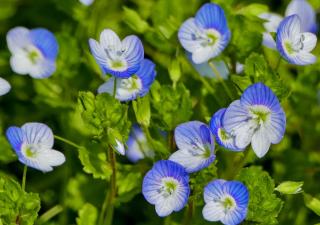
{"x":169,"y":186}
{"x":228,"y":202}
{"x":294,"y":46}
{"x":223,"y":134}
{"x":132,"y":83}
{"x":33,"y":56}
{"x":212,"y":39}
{"x":117,"y":64}
{"x":259,"y":113}
{"x":30,"y":151}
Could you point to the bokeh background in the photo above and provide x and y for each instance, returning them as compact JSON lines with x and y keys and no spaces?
{"x":54,"y":101}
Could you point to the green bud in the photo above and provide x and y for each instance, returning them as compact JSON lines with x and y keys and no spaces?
{"x":141,"y":109}
{"x":290,"y":187}
{"x":312,"y":203}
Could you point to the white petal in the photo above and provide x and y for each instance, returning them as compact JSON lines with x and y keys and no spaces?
{"x":51,"y":157}
{"x":20,"y":64}
{"x":305,"y":58}
{"x":18,"y":38}
{"x":260,"y":142}
{"x":42,"y":69}
{"x":273,"y":21}
{"x":107,"y":87}
{"x":165,"y":207}
{"x":244,"y":133}
{"x":4,"y":86}
{"x":203,"y":54}
{"x":310,"y":41}
{"x":109,"y":39}
{"x":98,"y":52}
{"x":120,"y":147}
{"x":38,"y":134}
{"x":187,"y":33}
{"x":213,"y":211}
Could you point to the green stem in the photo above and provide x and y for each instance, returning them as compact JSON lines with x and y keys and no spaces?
{"x":238,"y":165}
{"x":225,"y":86}
{"x":113,"y":189}
{"x":50,"y":214}
{"x":67,"y":141}
{"x":278,"y":63}
{"x":24,"y":177}
{"x":210,"y":89}
{"x":171,"y":141}
{"x":114,"y":87}
{"x":103,"y":209}
{"x":189,"y":214}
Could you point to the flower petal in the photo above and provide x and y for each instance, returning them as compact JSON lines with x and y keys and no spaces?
{"x":214,"y":190}
{"x":50,"y":157}
{"x":276,"y":127}
{"x":4,"y":86}
{"x":15,"y":137}
{"x":289,"y":27}
{"x":43,"y":69}
{"x":39,"y":134}
{"x":18,"y":38}
{"x":133,"y":53}
{"x":120,"y":147}
{"x":204,"y":54}
{"x":46,"y":42}
{"x":309,"y":42}
{"x":98,"y":53}
{"x":238,"y":191}
{"x":110,"y":40}
{"x":187,"y":35}
{"x":20,"y":64}
{"x":147,"y":74}
{"x":213,"y":211}
{"x":260,"y":142}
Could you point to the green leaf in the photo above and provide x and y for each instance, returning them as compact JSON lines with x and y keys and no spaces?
{"x":264,"y":206}
{"x":141,"y":108}
{"x":17,"y":205}
{"x":312,"y":203}
{"x":134,"y":21}
{"x":254,"y":9}
{"x":173,"y":105}
{"x":94,"y":161}
{"x":7,"y":154}
{"x":88,"y":215}
{"x":290,"y":187}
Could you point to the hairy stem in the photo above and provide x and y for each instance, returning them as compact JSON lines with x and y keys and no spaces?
{"x":45,"y":217}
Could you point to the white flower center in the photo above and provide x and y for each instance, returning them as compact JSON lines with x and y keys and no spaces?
{"x":32,"y":53}
{"x":294,"y":46}
{"x":228,"y":203}
{"x":199,"y":149}
{"x":168,"y":187}
{"x":131,"y":84}
{"x":116,"y":59}
{"x":260,"y":114}
{"x":209,"y":37}
{"x":29,"y":150}
{"x":224,"y":136}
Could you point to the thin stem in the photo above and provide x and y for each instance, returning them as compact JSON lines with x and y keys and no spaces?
{"x":278,"y":63}
{"x":50,"y":214}
{"x":189,"y":214}
{"x":67,"y":141}
{"x":217,"y":73}
{"x":103,"y":209}
{"x":24,"y":177}
{"x":113,"y":188}
{"x":238,"y":165}
{"x":171,"y":142}
{"x":114,"y":87}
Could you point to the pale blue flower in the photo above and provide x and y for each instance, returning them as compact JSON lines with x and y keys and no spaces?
{"x":138,"y":147}
{"x":293,"y":44}
{"x":135,"y":86}
{"x":223,"y":138}
{"x":33,"y":144}
{"x":206,"y":35}
{"x":86,"y":2}
{"x":256,"y":118}
{"x":166,"y":186}
{"x":226,"y":201}
{"x":119,"y":147}
{"x":121,"y":59}
{"x":33,"y":51}
{"x":195,"y":146}
{"x":4,"y":86}
{"x":271,"y":26}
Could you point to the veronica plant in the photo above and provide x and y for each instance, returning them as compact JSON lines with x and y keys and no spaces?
{"x":206,"y":35}
{"x":33,"y":51}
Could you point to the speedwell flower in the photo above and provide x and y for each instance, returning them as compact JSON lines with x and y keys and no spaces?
{"x":306,"y":13}
{"x":166,"y":186}
{"x":86,"y":2}
{"x":226,"y":201}
{"x":138,"y":147}
{"x":294,"y":45}
{"x":257,"y":118}
{"x":33,"y":51}
{"x":33,"y":144}
{"x":4,"y":86}
{"x":271,"y":26}
{"x":223,"y":138}
{"x":206,"y":35}
{"x":195,"y":146}
{"x":119,"y":58}
{"x":135,"y":86}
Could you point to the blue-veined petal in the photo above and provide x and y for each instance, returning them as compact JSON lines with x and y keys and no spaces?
{"x":187,"y":35}
{"x":211,"y":15}
{"x":309,"y":41}
{"x":43,"y":69}
{"x":98,"y":53}
{"x":20,"y":64}
{"x":214,"y":190}
{"x":38,"y":133}
{"x":46,"y":159}
{"x":213,"y":211}
{"x":18,"y":38}
{"x":109,"y":40}
{"x":238,"y":191}
{"x":46,"y":42}
{"x":15,"y":137}
{"x":260,"y":142}
{"x":4,"y":86}
{"x":147,"y":74}
{"x":305,"y":12}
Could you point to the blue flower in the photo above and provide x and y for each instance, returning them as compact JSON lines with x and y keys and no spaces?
{"x":135,"y":86}
{"x":306,"y":13}
{"x":226,"y":201}
{"x":223,"y":138}
{"x":257,"y":118}
{"x":4,"y":86}
{"x":138,"y":147}
{"x":271,"y":26}
{"x":119,"y":58}
{"x":206,"y":35}
{"x":33,"y":144}
{"x":119,"y":147}
{"x":195,"y":146}
{"x":294,"y":45}
{"x":166,"y":186}
{"x":86,"y":2}
{"x":34,"y":51}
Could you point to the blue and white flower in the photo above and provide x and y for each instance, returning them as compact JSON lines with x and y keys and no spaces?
{"x":195,"y":146}
{"x":293,"y":44}
{"x":226,"y":201}
{"x":206,"y":35}
{"x":4,"y":86}
{"x":119,"y":147}
{"x":166,"y":186}
{"x":271,"y":26}
{"x":119,"y":58}
{"x":135,"y":86}
{"x":256,"y":118}
{"x":223,"y":138}
{"x":306,"y":13}
{"x":33,"y":51}
{"x":138,"y":147}
{"x":33,"y":144}
{"x":86,"y":2}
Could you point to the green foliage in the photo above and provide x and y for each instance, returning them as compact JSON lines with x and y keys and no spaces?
{"x":289,"y":187}
{"x":312,"y":203}
{"x":264,"y":205}
{"x":141,"y":108}
{"x":170,"y":102}
{"x":88,"y":215}
{"x":16,"y":205}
